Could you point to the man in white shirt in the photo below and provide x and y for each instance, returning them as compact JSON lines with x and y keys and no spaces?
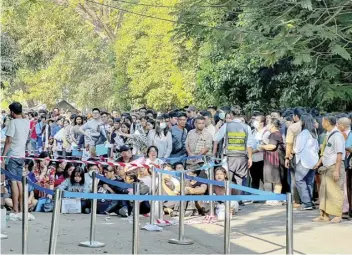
{"x":17,"y":134}
{"x":209,"y":123}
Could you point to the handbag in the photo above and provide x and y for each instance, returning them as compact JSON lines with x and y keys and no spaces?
{"x":48,"y":205}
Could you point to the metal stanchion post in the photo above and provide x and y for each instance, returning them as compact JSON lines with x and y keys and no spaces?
{"x":289,"y":224}
{"x":211,"y":177}
{"x":24,"y":215}
{"x":135,"y":234}
{"x":227,"y":229}
{"x":152,"y":208}
{"x":181,"y":224}
{"x":93,"y":219}
{"x":55,"y":221}
{"x":160,"y":193}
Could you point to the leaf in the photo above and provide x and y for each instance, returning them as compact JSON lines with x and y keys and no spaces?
{"x":339,"y":50}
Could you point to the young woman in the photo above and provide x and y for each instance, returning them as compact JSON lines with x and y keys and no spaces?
{"x":161,"y":138}
{"x":274,"y":161}
{"x":76,"y":183}
{"x":152,"y":157}
{"x":307,"y":155}
{"x":150,"y":126}
{"x":136,"y":141}
{"x":59,"y":172}
{"x":44,"y":176}
{"x":221,"y":176}
{"x":75,"y":134}
{"x":68,"y":170}
{"x":260,"y":134}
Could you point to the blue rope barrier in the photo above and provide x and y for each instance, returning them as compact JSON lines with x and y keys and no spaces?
{"x":67,"y":194}
{"x":182,"y":158}
{"x":114,"y":183}
{"x":173,"y":173}
{"x":40,"y":188}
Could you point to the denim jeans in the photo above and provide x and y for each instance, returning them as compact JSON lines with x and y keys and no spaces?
{"x":304,"y":182}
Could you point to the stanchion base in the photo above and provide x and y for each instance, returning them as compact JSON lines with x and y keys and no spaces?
{"x":94,"y":244}
{"x":181,"y":242}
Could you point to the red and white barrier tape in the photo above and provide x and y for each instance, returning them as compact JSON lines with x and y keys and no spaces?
{"x":82,"y":162}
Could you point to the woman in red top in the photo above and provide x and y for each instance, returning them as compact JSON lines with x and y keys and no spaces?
{"x":59,"y":171}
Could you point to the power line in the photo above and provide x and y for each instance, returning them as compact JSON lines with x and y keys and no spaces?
{"x":158,"y":18}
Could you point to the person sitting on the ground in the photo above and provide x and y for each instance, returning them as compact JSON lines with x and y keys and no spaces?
{"x":77,"y":183}
{"x":44,"y":176}
{"x":221,"y":176}
{"x":123,"y":207}
{"x":195,"y":188}
{"x":59,"y":173}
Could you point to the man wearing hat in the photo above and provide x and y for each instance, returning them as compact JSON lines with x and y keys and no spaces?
{"x":191,"y":115}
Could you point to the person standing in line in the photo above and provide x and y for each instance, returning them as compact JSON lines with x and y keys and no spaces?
{"x":332,"y":173}
{"x":291,"y":137}
{"x":199,"y":141}
{"x":344,"y":125}
{"x":15,"y":146}
{"x":307,"y":155}
{"x":209,"y":123}
{"x":191,"y":115}
{"x":179,"y":135}
{"x":260,"y":136}
{"x":238,"y":145}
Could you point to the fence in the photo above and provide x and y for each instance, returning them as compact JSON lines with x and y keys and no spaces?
{"x":136,"y":197}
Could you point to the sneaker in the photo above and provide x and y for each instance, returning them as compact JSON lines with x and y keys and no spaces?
{"x":3,"y":236}
{"x":31,"y":217}
{"x":19,"y":216}
{"x":306,"y":208}
{"x":13,"y":217}
{"x":123,"y":211}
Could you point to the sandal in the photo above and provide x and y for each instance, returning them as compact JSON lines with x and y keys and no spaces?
{"x":321,"y":219}
{"x":336,"y":220}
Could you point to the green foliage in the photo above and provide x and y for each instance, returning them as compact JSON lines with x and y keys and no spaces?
{"x":296,"y":52}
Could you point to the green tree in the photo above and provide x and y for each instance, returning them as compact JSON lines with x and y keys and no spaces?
{"x":297,"y":52}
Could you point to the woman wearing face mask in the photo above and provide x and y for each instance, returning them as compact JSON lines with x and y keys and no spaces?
{"x":161,"y":138}
{"x":261,"y":135}
{"x":274,"y":161}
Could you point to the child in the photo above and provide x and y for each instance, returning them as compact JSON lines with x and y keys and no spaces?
{"x":195,"y":188}
{"x":76,"y":183}
{"x":221,"y":176}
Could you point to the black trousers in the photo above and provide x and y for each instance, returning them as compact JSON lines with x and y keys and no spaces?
{"x":256,"y":172}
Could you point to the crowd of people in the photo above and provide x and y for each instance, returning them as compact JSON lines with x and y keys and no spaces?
{"x":295,"y":150}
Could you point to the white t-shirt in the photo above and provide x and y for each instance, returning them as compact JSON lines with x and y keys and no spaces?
{"x":18,"y":129}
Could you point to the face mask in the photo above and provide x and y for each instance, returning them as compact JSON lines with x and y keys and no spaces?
{"x":162,"y":125}
{"x":222,"y":115}
{"x":256,"y":124}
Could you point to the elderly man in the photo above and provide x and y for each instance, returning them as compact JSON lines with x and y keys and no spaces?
{"x":332,"y":173}
{"x":344,"y":125}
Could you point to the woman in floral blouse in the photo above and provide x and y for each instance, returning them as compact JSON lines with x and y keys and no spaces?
{"x":43,"y":175}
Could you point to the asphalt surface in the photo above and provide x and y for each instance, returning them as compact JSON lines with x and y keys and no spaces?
{"x":256,"y":229}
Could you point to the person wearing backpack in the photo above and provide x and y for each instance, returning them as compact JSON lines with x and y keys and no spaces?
{"x":331,"y":169}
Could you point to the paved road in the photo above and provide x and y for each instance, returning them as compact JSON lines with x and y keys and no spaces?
{"x":257,"y":228}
